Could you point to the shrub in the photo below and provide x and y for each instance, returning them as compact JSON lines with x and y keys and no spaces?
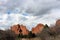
{"x":31,"y":35}
{"x":7,"y":35}
{"x":20,"y":36}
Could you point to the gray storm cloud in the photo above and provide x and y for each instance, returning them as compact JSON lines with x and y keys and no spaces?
{"x":33,"y":7}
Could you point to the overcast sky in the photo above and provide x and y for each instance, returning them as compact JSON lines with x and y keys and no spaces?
{"x":28,"y":12}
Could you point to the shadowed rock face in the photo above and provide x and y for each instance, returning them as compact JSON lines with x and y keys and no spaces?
{"x":20,"y":29}
{"x":38,"y":29}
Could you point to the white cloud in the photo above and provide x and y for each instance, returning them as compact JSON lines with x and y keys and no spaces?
{"x":35,"y":11}
{"x":3,"y":2}
{"x":1,"y":28}
{"x":11,"y":19}
{"x":50,"y":18}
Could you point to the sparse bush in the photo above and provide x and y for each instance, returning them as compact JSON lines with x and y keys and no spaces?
{"x":7,"y":35}
{"x":25,"y":36}
{"x":30,"y":35}
{"x":10,"y":35}
{"x":20,"y":36}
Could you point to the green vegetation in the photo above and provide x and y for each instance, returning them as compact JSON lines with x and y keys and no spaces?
{"x":30,"y":35}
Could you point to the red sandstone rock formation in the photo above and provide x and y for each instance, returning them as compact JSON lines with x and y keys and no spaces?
{"x":38,"y":29}
{"x":20,"y":29}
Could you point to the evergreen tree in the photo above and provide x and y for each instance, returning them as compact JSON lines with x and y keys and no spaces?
{"x":31,"y":35}
{"x":46,"y":26}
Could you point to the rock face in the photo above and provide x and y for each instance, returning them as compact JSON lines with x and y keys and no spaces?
{"x":56,"y":27}
{"x":58,"y":22}
{"x":38,"y":29}
{"x":20,"y":29}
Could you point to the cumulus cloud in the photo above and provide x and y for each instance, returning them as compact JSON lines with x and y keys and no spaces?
{"x":28,"y":12}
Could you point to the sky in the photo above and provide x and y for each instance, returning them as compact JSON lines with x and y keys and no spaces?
{"x":28,"y":12}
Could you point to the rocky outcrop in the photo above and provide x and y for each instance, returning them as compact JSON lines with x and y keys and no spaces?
{"x":56,"y":28}
{"x":20,"y":29}
{"x":38,"y":29}
{"x":58,"y":22}
{"x":57,"y":25}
